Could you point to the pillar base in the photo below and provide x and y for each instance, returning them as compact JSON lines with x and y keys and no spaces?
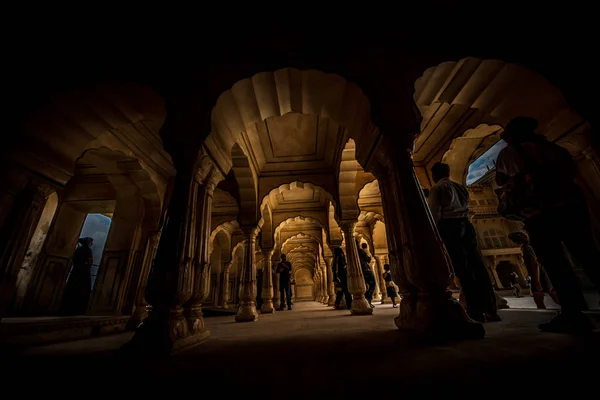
{"x":247,"y":313}
{"x":267,"y":307}
{"x":360,"y":306}
{"x":160,"y":336}
{"x":331,"y":301}
{"x":501,"y":302}
{"x":436,"y":317}
{"x":325,"y":300}
{"x":138,"y":316}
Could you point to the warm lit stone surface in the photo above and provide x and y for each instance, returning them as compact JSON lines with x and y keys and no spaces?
{"x":292,"y":349}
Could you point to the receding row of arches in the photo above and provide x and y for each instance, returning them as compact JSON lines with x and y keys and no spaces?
{"x":293,"y":164}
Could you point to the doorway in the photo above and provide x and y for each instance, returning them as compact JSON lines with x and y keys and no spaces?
{"x":97,"y":227}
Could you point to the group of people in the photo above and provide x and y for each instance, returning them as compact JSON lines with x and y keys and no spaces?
{"x":340,"y":278}
{"x":537,"y":185}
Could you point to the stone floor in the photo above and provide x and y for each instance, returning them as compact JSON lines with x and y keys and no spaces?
{"x":526,"y":302}
{"x":316,"y":352}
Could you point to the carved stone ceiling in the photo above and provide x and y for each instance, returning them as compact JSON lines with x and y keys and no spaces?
{"x":294,"y":142}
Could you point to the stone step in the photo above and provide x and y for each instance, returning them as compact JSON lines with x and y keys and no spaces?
{"x":23,"y":332}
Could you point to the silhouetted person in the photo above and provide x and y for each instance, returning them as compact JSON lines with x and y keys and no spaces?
{"x":448,"y":202}
{"x":340,"y":278}
{"x":390,"y":287}
{"x":79,"y":284}
{"x":539,"y":177}
{"x":284,"y":269}
{"x":259,"y":280}
{"x":515,"y":285}
{"x":365,"y":261}
{"x":538,"y":280}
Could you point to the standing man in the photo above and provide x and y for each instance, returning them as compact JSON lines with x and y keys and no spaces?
{"x":448,"y":202}
{"x":284,"y":269}
{"x":540,"y":179}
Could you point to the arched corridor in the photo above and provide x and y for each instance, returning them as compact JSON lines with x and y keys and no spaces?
{"x":208,"y":188}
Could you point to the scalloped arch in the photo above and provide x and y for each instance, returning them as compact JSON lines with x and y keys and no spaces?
{"x":290,"y":90}
{"x":370,"y":214}
{"x":297,"y":219}
{"x":289,"y":186}
{"x":476,"y":83}
{"x":227,"y":227}
{"x":369,"y":186}
{"x":455,"y":96}
{"x":462,"y":149}
{"x":300,"y":235}
{"x":117,"y":162}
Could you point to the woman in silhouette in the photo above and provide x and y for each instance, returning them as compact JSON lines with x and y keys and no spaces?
{"x":79,"y":285}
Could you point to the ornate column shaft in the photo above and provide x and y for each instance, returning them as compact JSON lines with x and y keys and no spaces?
{"x":267,"y":284}
{"x":206,"y":178}
{"x":356,"y":279}
{"x":15,"y":235}
{"x":225,"y":285}
{"x":419,"y":263}
{"x":380,"y":262}
{"x":247,"y":310}
{"x":378,"y":288}
{"x":330,"y":286}
{"x":170,"y":284}
{"x":495,"y":273}
{"x":325,"y":286}
{"x":140,"y":312}
{"x":320,"y":283}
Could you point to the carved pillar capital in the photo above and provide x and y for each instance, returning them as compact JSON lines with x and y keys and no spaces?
{"x":250,"y":232}
{"x":348,"y":228}
{"x":207,"y":171}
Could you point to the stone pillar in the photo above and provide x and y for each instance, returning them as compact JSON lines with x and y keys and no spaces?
{"x":225,"y":285}
{"x":207,"y":178}
{"x":247,"y":310}
{"x":495,"y":273}
{"x":419,"y":263}
{"x":267,"y":284}
{"x":170,"y":284}
{"x":139,"y":311}
{"x":375,"y":268}
{"x":325,"y":286}
{"x":321,"y":287}
{"x":356,"y":279}
{"x":331,"y":285}
{"x":380,"y":262}
{"x":15,"y":235}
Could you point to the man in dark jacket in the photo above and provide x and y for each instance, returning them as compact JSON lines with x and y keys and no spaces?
{"x":284,"y":269}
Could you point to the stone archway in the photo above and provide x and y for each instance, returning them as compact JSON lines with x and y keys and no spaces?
{"x":106,"y":182}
